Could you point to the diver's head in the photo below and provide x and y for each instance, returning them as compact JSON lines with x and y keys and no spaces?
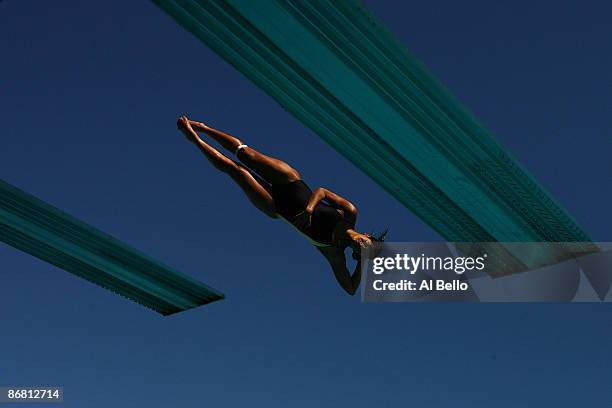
{"x":359,"y":241}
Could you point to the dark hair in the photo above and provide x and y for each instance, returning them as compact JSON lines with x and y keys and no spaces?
{"x":380,"y":238}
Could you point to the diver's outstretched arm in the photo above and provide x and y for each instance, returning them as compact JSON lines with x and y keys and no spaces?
{"x":350,"y":283}
{"x":356,"y":277}
{"x":337,"y":260}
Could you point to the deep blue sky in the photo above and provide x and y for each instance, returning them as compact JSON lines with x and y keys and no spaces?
{"x":89,"y":96}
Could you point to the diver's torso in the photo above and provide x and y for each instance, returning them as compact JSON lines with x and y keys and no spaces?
{"x":292,"y":198}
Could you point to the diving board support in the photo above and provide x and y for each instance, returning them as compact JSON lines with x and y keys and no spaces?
{"x":45,"y":232}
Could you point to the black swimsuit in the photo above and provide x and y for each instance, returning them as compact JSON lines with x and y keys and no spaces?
{"x":292,"y":198}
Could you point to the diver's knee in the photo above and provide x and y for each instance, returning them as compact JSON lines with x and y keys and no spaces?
{"x":245,"y":153}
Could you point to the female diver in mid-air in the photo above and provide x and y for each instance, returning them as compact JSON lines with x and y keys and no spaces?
{"x":323,"y":217}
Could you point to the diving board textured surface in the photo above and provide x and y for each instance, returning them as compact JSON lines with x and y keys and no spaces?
{"x":341,"y":73}
{"x":45,"y":232}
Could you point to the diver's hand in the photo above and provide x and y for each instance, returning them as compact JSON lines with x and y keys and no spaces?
{"x":363,"y":241}
{"x":303,"y":220}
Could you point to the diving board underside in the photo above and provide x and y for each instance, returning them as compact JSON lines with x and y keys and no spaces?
{"x":344,"y":76}
{"x":45,"y":232}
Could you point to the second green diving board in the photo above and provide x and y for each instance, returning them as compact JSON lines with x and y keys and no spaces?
{"x":45,"y":232}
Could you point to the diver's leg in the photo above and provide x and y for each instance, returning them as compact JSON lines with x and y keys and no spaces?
{"x":274,"y":171}
{"x":226,"y":140}
{"x":255,"y":190}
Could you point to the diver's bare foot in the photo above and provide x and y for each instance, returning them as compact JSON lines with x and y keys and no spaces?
{"x":184,"y":125}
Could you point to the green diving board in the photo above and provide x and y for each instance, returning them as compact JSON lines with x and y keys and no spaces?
{"x":342,"y":74}
{"x":45,"y":232}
